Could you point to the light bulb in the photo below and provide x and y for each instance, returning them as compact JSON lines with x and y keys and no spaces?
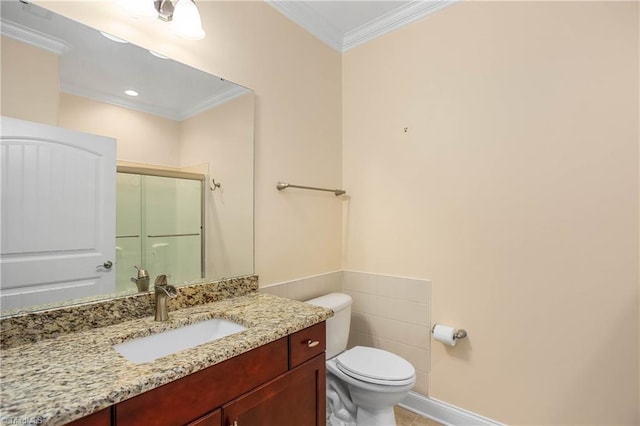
{"x":186,"y":22}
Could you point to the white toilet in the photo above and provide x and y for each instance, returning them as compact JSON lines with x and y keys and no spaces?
{"x":363,"y":384}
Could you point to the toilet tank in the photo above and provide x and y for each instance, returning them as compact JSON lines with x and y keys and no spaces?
{"x":338,"y":325}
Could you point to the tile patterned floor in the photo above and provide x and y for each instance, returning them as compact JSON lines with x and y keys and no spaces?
{"x":409,"y":418}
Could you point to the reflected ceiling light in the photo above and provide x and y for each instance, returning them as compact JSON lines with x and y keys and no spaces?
{"x":113,"y":38}
{"x":158,"y":55}
{"x":131,"y":92}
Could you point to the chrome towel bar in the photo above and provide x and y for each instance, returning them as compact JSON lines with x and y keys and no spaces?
{"x":283,"y":185}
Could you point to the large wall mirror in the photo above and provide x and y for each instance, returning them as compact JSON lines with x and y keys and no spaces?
{"x":184,"y":149}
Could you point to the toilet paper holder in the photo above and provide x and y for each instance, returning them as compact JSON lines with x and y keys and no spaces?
{"x":460,"y":333}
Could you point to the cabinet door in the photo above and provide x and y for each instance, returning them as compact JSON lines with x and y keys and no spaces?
{"x":101,"y":418}
{"x":211,"y":419}
{"x":295,"y":398}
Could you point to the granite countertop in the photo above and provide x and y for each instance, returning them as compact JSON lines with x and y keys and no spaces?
{"x":58,"y":380}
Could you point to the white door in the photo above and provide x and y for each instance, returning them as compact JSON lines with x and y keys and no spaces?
{"x":57,"y":214}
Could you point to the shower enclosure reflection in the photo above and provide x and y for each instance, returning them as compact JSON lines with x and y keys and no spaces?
{"x":159,"y":225}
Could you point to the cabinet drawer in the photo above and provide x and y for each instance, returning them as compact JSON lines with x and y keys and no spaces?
{"x":307,"y":343}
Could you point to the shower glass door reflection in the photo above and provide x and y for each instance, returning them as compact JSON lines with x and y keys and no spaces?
{"x":158,"y":228}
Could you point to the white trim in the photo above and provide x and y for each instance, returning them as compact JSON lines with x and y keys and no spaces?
{"x":300,"y":13}
{"x":441,"y":412}
{"x":214,"y":101}
{"x":175,"y":115}
{"x":302,"y":278}
{"x":392,"y":21}
{"x":34,"y":38}
{"x":307,"y":18}
{"x":404,"y":277}
{"x":114,"y":100}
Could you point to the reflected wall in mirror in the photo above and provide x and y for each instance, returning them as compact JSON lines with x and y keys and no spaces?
{"x":58,"y":72}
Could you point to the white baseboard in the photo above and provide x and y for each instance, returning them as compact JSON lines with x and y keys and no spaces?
{"x":441,"y":412}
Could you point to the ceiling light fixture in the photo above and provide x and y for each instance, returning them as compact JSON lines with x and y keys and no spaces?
{"x":186,"y":22}
{"x":183,"y":15}
{"x":131,"y":92}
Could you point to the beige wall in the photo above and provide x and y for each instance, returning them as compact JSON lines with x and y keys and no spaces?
{"x":142,"y":137}
{"x":297,"y":83}
{"x":515,"y":190}
{"x":36,"y":98}
{"x":223,"y":137}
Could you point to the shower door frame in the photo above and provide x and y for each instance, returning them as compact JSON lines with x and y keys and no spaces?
{"x":148,"y":171}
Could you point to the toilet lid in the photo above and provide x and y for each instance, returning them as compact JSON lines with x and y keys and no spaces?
{"x":375,"y":366}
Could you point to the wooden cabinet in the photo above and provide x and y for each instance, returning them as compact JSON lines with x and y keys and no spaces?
{"x":185,"y":400}
{"x":295,"y":398}
{"x":100,"y":418}
{"x":211,"y":419}
{"x":307,"y":343}
{"x":280,"y":383}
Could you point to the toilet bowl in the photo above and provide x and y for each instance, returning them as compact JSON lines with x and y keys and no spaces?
{"x":377,"y":380}
{"x":363,"y":383}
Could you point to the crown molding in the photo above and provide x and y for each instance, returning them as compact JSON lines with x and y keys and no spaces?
{"x":34,"y":38}
{"x":300,"y":13}
{"x":174,"y":115}
{"x":392,"y":21}
{"x":214,"y":101}
{"x":114,"y":100}
{"x":303,"y":15}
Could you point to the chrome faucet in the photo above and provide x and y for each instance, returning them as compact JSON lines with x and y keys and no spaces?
{"x":163,"y":292}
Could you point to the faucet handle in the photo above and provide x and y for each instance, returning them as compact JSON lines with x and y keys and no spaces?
{"x":142,"y":273}
{"x":161,"y":280}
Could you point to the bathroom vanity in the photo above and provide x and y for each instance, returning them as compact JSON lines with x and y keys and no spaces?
{"x":255,"y":388}
{"x":271,"y":373}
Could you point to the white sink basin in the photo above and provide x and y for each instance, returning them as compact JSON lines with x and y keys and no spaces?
{"x":169,"y":342}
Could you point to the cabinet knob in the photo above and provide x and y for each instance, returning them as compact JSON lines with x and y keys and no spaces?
{"x":312,"y":343}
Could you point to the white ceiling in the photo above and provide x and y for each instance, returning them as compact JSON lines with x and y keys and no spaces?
{"x":348,"y":23}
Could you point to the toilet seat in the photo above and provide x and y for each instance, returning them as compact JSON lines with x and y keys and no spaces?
{"x":377,"y":366}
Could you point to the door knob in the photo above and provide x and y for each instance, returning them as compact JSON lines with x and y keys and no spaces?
{"x":106,"y":265}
